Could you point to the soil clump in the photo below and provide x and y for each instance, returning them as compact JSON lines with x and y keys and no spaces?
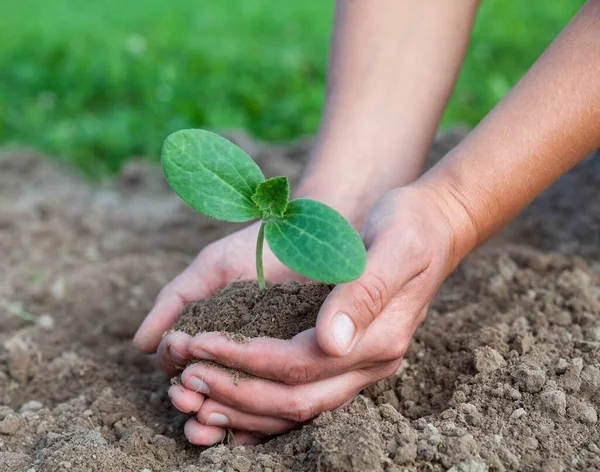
{"x":241,"y":311}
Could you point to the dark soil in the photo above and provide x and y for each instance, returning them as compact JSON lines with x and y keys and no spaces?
{"x":503,"y":375}
{"x":243,"y":312}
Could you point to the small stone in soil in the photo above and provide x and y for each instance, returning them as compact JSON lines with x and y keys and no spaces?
{"x":530,"y":378}
{"x":522,"y":343}
{"x":561,"y":319}
{"x":10,"y":425}
{"x":518,"y":413}
{"x":46,"y":322}
{"x":586,"y":346}
{"x":584,"y":412}
{"x":488,"y":360}
{"x":594,"y":334}
{"x":471,"y":466}
{"x":32,"y":405}
{"x":561,"y":366}
{"x":554,"y":401}
{"x":571,"y":380}
{"x":389,"y":397}
{"x":512,"y":393}
{"x":590,"y":380}
{"x":19,"y":363}
{"x":470,"y":413}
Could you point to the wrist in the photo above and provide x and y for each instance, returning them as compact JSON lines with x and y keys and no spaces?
{"x":352,"y":181}
{"x":349,"y":202}
{"x":453,"y":208}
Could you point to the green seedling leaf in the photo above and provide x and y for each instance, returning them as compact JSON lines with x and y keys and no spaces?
{"x":212,"y":175}
{"x":272,"y":197}
{"x":218,"y":179}
{"x":317,"y":242}
{"x":16,"y":309}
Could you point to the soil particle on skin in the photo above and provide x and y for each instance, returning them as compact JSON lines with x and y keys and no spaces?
{"x":503,"y":375}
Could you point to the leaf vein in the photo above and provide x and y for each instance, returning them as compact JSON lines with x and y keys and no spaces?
{"x":210,"y":171}
{"x":325,"y":243}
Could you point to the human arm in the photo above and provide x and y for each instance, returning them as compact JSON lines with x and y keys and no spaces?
{"x":548,"y":123}
{"x":392,"y":67}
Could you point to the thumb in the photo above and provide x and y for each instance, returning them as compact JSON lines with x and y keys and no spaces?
{"x":351,"y":307}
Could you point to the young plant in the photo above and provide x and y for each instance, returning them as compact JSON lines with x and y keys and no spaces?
{"x":218,"y":179}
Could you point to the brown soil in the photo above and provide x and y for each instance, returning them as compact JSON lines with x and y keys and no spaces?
{"x":503,"y":375}
{"x":243,"y":312}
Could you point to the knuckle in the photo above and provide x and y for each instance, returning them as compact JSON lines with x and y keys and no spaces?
{"x":391,"y":368}
{"x":415,"y":246}
{"x":165,"y":291}
{"x":300,"y":411}
{"x":398,"y":350}
{"x":204,"y":256}
{"x":392,"y":349}
{"x":370,"y":295}
{"x":172,"y":289}
{"x":294,"y":372}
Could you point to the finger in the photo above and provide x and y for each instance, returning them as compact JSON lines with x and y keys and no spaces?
{"x":203,"y":435}
{"x":350,"y":308}
{"x":301,"y":359}
{"x":185,"y":400}
{"x":244,"y":438}
{"x":173,"y":352}
{"x":197,"y":281}
{"x":297,"y":403}
{"x":213,"y":413}
{"x":295,"y":361}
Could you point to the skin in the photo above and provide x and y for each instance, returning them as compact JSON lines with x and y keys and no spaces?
{"x":383,"y":106}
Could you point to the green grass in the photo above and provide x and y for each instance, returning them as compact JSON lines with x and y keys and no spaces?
{"x":96,"y":83}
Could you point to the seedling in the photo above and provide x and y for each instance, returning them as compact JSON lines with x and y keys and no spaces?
{"x":16,"y":309}
{"x":218,"y":179}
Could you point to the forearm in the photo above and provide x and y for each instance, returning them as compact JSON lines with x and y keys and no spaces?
{"x":392,"y":68}
{"x":547,"y":124}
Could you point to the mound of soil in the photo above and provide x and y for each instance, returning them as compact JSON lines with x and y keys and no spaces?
{"x":242,"y":311}
{"x":503,"y":375}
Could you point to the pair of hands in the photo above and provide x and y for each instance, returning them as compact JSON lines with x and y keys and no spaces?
{"x":362,"y":332}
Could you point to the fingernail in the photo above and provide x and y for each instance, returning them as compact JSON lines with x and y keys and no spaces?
{"x":198,"y":385}
{"x":176,"y":356}
{"x":170,"y":393}
{"x":217,"y":419}
{"x":343,"y":331}
{"x":201,"y":354}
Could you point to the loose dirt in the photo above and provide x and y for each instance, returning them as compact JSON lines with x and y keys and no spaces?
{"x":503,"y":375}
{"x":243,"y":312}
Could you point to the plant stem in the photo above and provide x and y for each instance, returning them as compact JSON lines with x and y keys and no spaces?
{"x":259,"y":257}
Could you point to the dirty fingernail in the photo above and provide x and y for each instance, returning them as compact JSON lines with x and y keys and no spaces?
{"x":343,"y":331}
{"x":176,"y":356}
{"x":198,"y":385}
{"x":217,"y":419}
{"x":201,"y":354}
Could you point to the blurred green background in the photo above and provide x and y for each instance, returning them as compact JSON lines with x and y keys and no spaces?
{"x":96,"y":83}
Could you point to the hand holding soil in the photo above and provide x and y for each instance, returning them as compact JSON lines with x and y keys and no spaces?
{"x":362,"y":331}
